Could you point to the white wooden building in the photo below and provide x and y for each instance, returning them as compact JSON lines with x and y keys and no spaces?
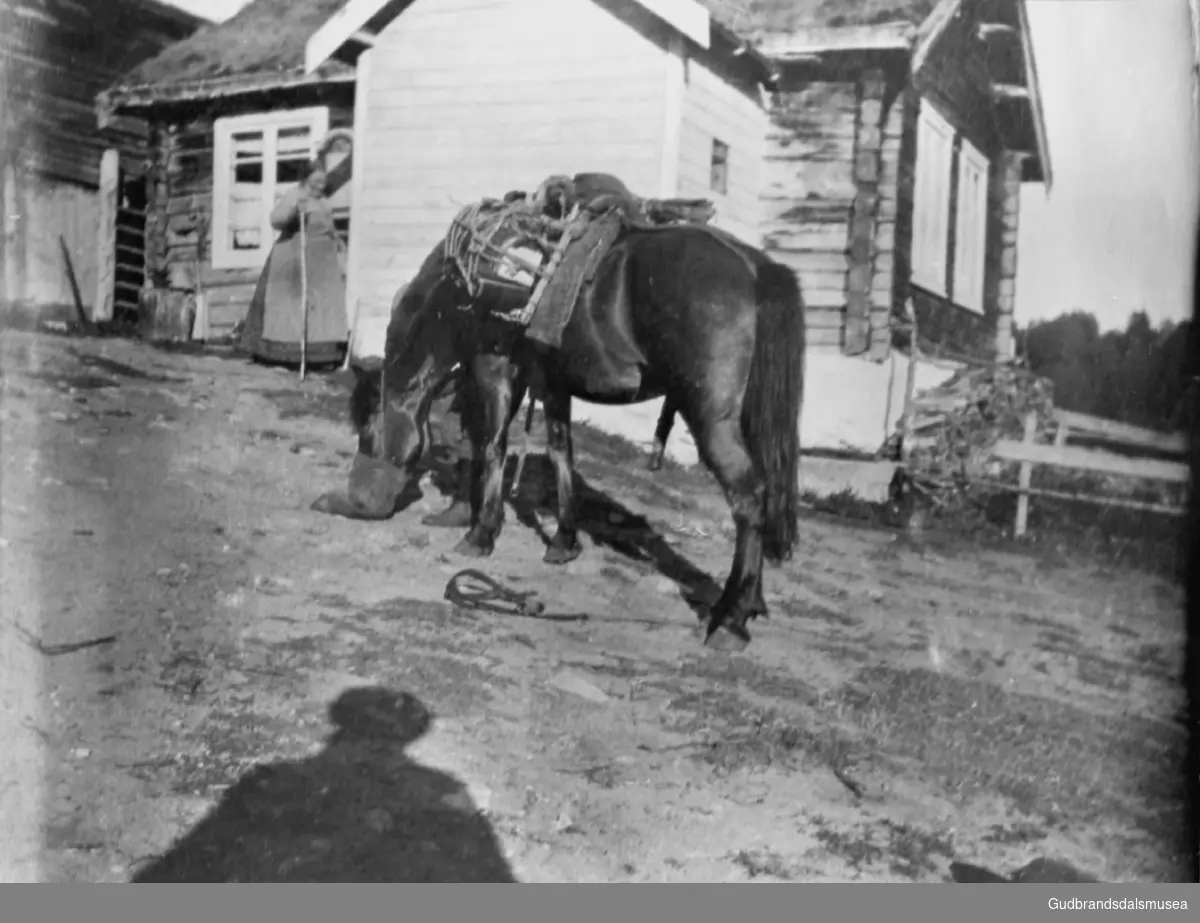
{"x":460,"y":99}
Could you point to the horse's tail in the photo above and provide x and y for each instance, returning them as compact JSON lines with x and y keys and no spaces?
{"x":771,"y":411}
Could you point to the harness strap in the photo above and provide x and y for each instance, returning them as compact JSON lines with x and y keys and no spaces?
{"x":490,"y":596}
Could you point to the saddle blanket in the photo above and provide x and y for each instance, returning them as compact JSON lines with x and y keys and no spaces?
{"x":578,"y":268}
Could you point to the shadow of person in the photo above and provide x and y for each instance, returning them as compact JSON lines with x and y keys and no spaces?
{"x":360,"y":810}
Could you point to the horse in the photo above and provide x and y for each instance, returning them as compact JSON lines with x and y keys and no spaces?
{"x":718,"y":329}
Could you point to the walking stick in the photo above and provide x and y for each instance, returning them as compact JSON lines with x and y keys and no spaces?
{"x":303,"y":296}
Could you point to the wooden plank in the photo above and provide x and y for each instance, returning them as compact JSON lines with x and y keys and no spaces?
{"x":824,"y":318}
{"x":808,"y":238}
{"x":1092,"y":460}
{"x":835,"y":264}
{"x":1168,"y":509}
{"x":218,"y":278}
{"x":1082,"y":423}
{"x":823,"y":337}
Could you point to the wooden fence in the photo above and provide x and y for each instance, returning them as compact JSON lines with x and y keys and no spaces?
{"x":1060,"y":455}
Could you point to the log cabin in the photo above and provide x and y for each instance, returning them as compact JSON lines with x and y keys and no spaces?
{"x":232,"y":117}
{"x":55,"y":56}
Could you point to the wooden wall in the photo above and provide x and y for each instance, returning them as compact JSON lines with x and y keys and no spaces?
{"x":716,"y":104}
{"x":838,"y":199}
{"x":57,"y":56}
{"x":526,"y":89}
{"x":809,"y":189}
{"x":52,"y":210}
{"x":179,"y":182}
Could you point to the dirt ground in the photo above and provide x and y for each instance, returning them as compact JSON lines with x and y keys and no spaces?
{"x":287,"y":696}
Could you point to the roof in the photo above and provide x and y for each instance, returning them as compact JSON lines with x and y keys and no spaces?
{"x":262,"y":46}
{"x":265,"y":45}
{"x":259,"y":48}
{"x":756,"y":18}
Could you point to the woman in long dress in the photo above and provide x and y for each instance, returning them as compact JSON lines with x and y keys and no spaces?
{"x":275,"y":322}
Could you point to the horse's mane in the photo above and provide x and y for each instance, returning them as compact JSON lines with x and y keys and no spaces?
{"x":413,"y":304}
{"x":410,"y":340}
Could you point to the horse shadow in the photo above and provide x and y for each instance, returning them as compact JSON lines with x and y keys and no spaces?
{"x":608,"y":523}
{"x":360,"y":810}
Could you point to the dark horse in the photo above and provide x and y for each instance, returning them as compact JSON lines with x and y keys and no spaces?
{"x":719,"y":329}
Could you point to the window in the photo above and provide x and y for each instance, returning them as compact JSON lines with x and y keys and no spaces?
{"x":257,"y":159}
{"x":936,"y":173}
{"x":719,"y":167}
{"x":970,"y":228}
{"x":931,"y":200}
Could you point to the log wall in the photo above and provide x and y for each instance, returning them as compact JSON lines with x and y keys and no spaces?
{"x":809,"y":189}
{"x":56,"y":56}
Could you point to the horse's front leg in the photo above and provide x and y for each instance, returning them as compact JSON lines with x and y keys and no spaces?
{"x":492,"y":395}
{"x":564,"y":547}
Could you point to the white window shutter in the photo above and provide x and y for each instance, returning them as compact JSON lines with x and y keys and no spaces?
{"x":970,"y":250}
{"x":931,"y":199}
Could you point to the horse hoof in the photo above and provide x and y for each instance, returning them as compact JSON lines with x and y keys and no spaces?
{"x":727,"y":638}
{"x":469,"y":549}
{"x":555,"y":555}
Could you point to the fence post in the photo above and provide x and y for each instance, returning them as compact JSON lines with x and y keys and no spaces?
{"x":106,"y":240}
{"x":1024,"y":478}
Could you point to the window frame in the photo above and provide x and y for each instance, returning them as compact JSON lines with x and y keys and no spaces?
{"x":722,"y":148}
{"x":222,"y":254}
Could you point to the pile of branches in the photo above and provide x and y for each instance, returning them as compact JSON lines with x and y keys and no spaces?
{"x":948,"y":442}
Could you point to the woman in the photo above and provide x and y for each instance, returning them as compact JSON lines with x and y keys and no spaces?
{"x":274,"y":326}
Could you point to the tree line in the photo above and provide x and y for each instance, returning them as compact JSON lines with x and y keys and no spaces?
{"x":1142,"y":375}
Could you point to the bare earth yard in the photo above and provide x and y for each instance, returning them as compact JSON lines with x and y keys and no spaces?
{"x":905,"y":703}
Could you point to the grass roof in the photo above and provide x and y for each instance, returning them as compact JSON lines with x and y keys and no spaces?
{"x":754,"y":18}
{"x":266,"y":37}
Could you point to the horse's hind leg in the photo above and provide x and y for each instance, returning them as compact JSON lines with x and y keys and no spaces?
{"x":722,"y":447}
{"x":556,"y":406}
{"x":662,"y":432}
{"x":494,"y":388}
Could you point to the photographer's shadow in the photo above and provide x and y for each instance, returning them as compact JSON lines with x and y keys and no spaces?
{"x":360,"y":810}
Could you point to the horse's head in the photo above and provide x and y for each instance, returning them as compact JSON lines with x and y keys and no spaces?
{"x":390,"y":403}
